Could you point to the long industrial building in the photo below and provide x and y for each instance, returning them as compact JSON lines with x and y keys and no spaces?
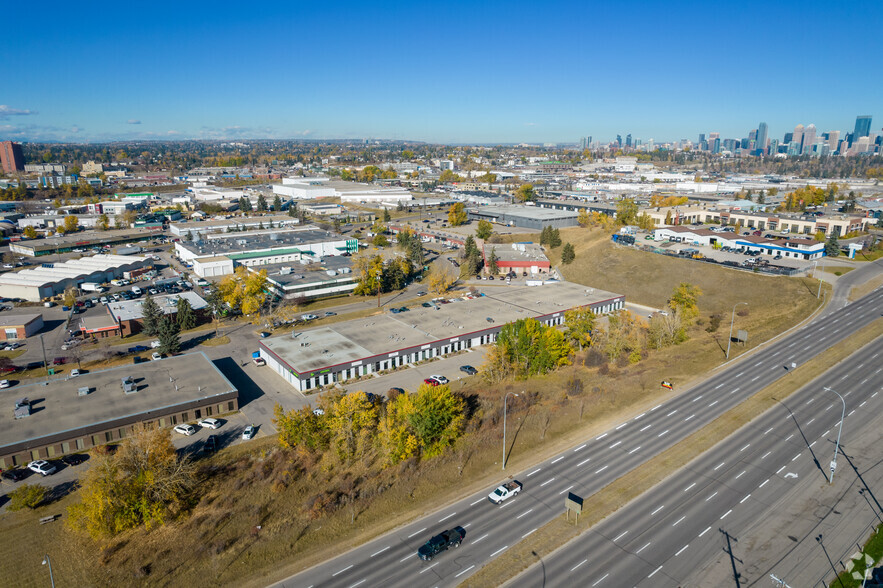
{"x":52,"y":279}
{"x":344,"y":351}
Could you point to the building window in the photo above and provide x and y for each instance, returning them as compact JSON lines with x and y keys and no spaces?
{"x":122,"y":433}
{"x":95,"y":442}
{"x":108,"y":437}
{"x":208,"y":411}
{"x":50,"y":451}
{"x":65,"y":447}
{"x":230,"y":406}
{"x":184,"y":418}
{"x":80,"y":444}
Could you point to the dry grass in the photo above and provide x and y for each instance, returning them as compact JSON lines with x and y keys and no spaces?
{"x":628,"y":487}
{"x":216,"y":341}
{"x":838,"y":270}
{"x":865,"y":289}
{"x":12,"y":354}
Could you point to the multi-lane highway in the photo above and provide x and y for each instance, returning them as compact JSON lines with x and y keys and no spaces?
{"x":391,"y":560}
{"x":662,"y":537}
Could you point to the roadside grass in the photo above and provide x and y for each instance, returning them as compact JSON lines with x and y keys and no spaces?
{"x":865,"y":289}
{"x":874,"y":548}
{"x":838,"y":270}
{"x":216,"y":341}
{"x":872,"y":256}
{"x":12,"y":354}
{"x":628,"y":487}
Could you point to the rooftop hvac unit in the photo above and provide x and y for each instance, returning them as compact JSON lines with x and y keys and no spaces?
{"x":84,"y":391}
{"x":331,"y":272}
{"x":285,"y":271}
{"x":345,"y":270}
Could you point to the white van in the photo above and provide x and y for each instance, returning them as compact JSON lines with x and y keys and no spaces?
{"x":136,"y":290}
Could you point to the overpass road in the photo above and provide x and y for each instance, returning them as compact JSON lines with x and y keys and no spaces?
{"x":391,"y":560}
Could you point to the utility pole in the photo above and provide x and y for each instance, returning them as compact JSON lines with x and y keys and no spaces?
{"x":45,"y":363}
{"x":732,"y":321}
{"x":837,"y":445}
{"x":505,"y":398}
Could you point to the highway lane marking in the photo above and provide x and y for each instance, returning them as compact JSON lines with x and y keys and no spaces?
{"x":645,"y":428}
{"x":602,"y":469}
{"x":634,"y":450}
{"x":528,"y":533}
{"x":654,"y":572}
{"x":557,"y":459}
{"x":447,"y":517}
{"x":705,"y":531}
{"x":642,"y":549}
{"x":671,"y":413}
{"x":810,"y":422}
{"x":429,"y":568}
{"x":565,"y":490}
{"x":718,"y":466}
{"x":579,"y":564}
{"x":780,"y":469}
{"x":477,"y":501}
{"x":621,"y":535}
{"x":710,"y":497}
{"x":615,"y":444}
{"x":549,"y":481}
{"x":525,"y":513}
{"x":713,"y":403}
{"x":464,"y":571}
{"x":736,"y":390}
{"x":342,"y":571}
{"x":765,"y":455}
{"x":381,"y":551}
{"x":599,"y":580}
{"x":362,"y":581}
{"x":789,"y":436}
{"x":874,"y":394}
{"x":689,"y":417}
{"x":700,"y":396}
{"x":621,"y":426}
{"x":850,"y":412}
{"x":764,"y":483}
{"x":682,"y":549}
{"x":744,"y":499}
{"x":795,"y":457}
{"x":407,"y":557}
{"x":639,"y":416}
{"x":584,"y":461}
{"x":862,"y":404}
{"x":533,"y":472}
{"x":507,"y":503}
{"x":718,"y":386}
{"x":416,"y":532}
{"x":675,"y":524}
{"x":657,"y":510}
{"x":480,"y":538}
{"x":755,"y":378}
{"x":580,"y":447}
{"x":599,"y":437}
{"x":726,"y":513}
{"x":776,"y":353}
{"x":739,"y":375}
{"x":862,"y":382}
{"x":843,"y":378}
{"x":830,"y":406}
{"x":810,"y":401}
{"x":690,"y":486}
{"x":655,"y":407}
{"x":758,"y":363}
{"x":740,"y":475}
{"x":499,"y":551}
{"x":826,"y":432}
{"x":848,"y":393}
{"x":662,"y":433}
{"x":768,"y":430}
{"x":744,"y":448}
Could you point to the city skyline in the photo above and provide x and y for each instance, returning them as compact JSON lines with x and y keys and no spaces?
{"x":479,"y":74}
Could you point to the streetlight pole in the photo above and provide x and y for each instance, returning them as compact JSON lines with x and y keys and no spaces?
{"x":837,"y":446}
{"x":505,"y":398}
{"x":732,"y":321}
{"x":815,"y":275}
{"x":49,"y":563}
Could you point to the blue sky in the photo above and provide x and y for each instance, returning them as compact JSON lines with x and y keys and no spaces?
{"x":458,"y":72}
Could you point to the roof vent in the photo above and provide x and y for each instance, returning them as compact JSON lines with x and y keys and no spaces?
{"x":84,"y":391}
{"x":22,"y":408}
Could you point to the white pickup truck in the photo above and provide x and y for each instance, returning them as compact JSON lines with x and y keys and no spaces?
{"x":505,"y":492}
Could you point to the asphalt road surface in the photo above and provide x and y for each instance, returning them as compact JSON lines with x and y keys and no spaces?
{"x":391,"y":560}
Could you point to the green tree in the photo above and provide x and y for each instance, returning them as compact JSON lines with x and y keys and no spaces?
{"x":70,"y":296}
{"x":380,"y":240}
{"x":262,"y":203}
{"x":185,"y":316}
{"x":167,"y":333}
{"x":26,"y":496}
{"x":152,"y":314}
{"x":526,"y":348}
{"x":554,"y":238}
{"x":579,"y":325}
{"x":485,"y":229}
{"x":567,"y":254}
{"x":71,"y":224}
{"x":29,"y":232}
{"x":386,"y":216}
{"x":301,"y":429}
{"x":103,"y":223}
{"x":369,"y":270}
{"x":832,"y":246}
{"x":626,"y":211}
{"x":457,"y":214}
{"x":684,"y":300}
{"x":437,"y":418}
{"x":244,"y":204}
{"x":492,"y":266}
{"x":277,"y":203}
{"x":525,"y":193}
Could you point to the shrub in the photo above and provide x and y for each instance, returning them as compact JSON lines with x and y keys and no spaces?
{"x":26,"y":496}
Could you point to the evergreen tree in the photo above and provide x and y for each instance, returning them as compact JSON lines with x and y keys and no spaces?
{"x":292,"y":210}
{"x":169,"y":343}
{"x":152,"y":316}
{"x":186,"y":318}
{"x":554,"y":238}
{"x":492,"y":266}
{"x":386,"y":216}
{"x":277,"y":203}
{"x":544,"y":235}
{"x":832,"y":246}
{"x":567,"y":254}
{"x":262,"y":203}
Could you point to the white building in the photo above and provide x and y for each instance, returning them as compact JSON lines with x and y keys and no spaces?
{"x":310,"y":188}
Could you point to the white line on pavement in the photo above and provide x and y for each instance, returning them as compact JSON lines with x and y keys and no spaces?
{"x":710,"y":497}
{"x":416,"y":532}
{"x":578,"y":565}
{"x":549,"y":481}
{"x":342,"y":571}
{"x":654,"y":572}
{"x":584,"y":461}
{"x":662,"y":433}
{"x":580,"y":447}
{"x":718,"y":466}
{"x":726,"y":513}
{"x":642,"y":549}
{"x":602,"y":469}
{"x":407,"y":557}
{"x":362,"y":581}
{"x":477,"y":501}
{"x":533,"y":472}
{"x":601,"y":436}
{"x":689,"y":417}
{"x":657,"y":510}
{"x":740,"y":475}
{"x":744,"y":499}
{"x":690,"y":486}
{"x":634,"y":450}
{"x":557,"y":459}
{"x":621,"y":426}
{"x":744,"y":448}
{"x":675,"y":524}
{"x":429,"y":568}
{"x":705,"y":531}
{"x":672,"y":412}
{"x":565,"y":490}
{"x":621,"y":535}
{"x":765,"y":455}
{"x":381,"y":551}
{"x":500,"y":550}
{"x":480,"y":538}
{"x":682,"y":549}
{"x":599,"y":580}
{"x":464,"y":571}
{"x":447,"y":517}
{"x":525,"y":513}
{"x":639,"y":416}
{"x":713,"y":403}
{"x":528,"y":533}
{"x":764,"y":483}
{"x":644,"y":429}
{"x":615,"y":444}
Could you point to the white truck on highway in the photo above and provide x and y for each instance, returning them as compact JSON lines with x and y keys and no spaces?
{"x":505,"y":492}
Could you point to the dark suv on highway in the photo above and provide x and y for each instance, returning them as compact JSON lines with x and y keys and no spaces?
{"x":441,"y":542}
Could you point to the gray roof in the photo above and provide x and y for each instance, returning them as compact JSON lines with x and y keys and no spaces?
{"x":531,"y":212}
{"x":127,"y":310}
{"x":16,"y":320}
{"x":299,"y":274}
{"x":242,"y":242}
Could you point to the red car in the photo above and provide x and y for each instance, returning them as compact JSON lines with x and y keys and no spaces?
{"x":431,"y":382}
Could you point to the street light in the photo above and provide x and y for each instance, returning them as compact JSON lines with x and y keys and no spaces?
{"x":49,"y":563}
{"x":837,"y":446}
{"x":732,"y":321}
{"x":505,"y":398}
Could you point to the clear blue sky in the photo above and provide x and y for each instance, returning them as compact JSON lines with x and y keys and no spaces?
{"x":435,"y":71}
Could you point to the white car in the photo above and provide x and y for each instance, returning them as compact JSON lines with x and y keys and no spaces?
{"x":103,"y":300}
{"x":249,"y":432}
{"x":4,"y":383}
{"x":42,"y":467}
{"x":309,"y":317}
{"x":185,"y":429}
{"x":12,"y":347}
{"x":156,"y":356}
{"x":440,"y":379}
{"x":155,"y":344}
{"x":74,"y":373}
{"x":209,"y":423}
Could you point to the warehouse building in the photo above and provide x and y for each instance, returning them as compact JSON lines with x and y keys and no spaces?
{"x":311,"y":188}
{"x":67,"y":415}
{"x":349,"y":350}
{"x":235,"y":224}
{"x":77,"y":242}
{"x":52,"y":279}
{"x":794,"y":248}
{"x":333,"y":276}
{"x":129,"y":314}
{"x":518,"y":258}
{"x":529,"y":217}
{"x":15,"y":327}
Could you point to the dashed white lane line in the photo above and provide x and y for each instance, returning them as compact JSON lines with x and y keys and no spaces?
{"x":573,"y":569}
{"x":602,"y":469}
{"x":808,"y":402}
{"x":862,"y":404}
{"x":662,"y":433}
{"x":764,"y":483}
{"x":549,"y":481}
{"x":809,"y":422}
{"x":789,"y":436}
{"x":705,"y":531}
{"x":639,"y":416}
{"x":557,"y":459}
{"x":657,"y":510}
{"x":621,"y":535}
{"x":689,"y":417}
{"x":416,"y":532}
{"x":580,"y":447}
{"x":764,"y":456}
{"x":533,"y":472}
{"x":499,"y":551}
{"x":700,"y":396}
{"x":734,"y":390}
{"x":726,"y":513}
{"x":718,"y":386}
{"x":407,"y":557}
{"x":768,"y":430}
{"x":682,"y":549}
{"x":740,"y":475}
{"x":566,"y":490}
{"x":654,"y":572}
{"x":644,"y":429}
{"x":381,"y":551}
{"x":744,"y":448}
{"x":477,"y":501}
{"x":359,"y":583}
{"x":429,"y":568}
{"x":584,"y":462}
{"x":850,"y":412}
{"x":634,"y":450}
{"x":718,"y":466}
{"x":744,"y":499}
{"x":780,"y":469}
{"x":671,"y":413}
{"x":826,"y":432}
{"x":599,"y":579}
{"x":480,"y":538}
{"x":830,"y":406}
{"x":713,"y":403}
{"x":755,"y":378}
{"x":525,"y":513}
{"x":528,"y":533}
{"x":795,"y":457}
{"x":620,"y":426}
{"x":601,"y":436}
{"x":710,"y":497}
{"x":690,"y":486}
{"x":342,"y":571}
{"x":643,"y":548}
{"x":655,"y":407}
{"x":813,"y":443}
{"x":675,"y":524}
{"x":464,"y":571}
{"x":447,"y":517}
{"x":615,"y":444}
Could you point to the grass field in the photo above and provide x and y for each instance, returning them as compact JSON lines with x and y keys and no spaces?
{"x":258,"y":484}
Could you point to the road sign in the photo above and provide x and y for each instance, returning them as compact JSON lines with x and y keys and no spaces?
{"x":833,"y":465}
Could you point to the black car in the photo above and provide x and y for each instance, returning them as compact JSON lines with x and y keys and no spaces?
{"x":441,"y":542}
{"x":16,"y":474}
{"x":74,"y":459}
{"x":468,"y":369}
{"x":210,"y":445}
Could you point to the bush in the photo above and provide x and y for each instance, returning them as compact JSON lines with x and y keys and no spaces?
{"x":26,"y":496}
{"x":714,"y":322}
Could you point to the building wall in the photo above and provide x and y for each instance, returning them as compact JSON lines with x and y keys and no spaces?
{"x":11,"y":157}
{"x":212,"y":268}
{"x":19,"y":332}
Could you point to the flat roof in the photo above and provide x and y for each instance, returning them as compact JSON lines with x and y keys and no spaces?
{"x":302,"y":274}
{"x":86,"y":238}
{"x":127,"y":310}
{"x":313,"y":349}
{"x":532,"y":252}
{"x":531,"y":212}
{"x":17,"y":320}
{"x":57,"y":408}
{"x":237,"y":220}
{"x":239,"y":243}
{"x":49,"y":273}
